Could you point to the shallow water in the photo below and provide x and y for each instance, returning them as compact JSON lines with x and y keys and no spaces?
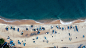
{"x":66,"y":10}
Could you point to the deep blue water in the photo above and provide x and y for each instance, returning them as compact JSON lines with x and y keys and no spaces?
{"x":43,"y":9}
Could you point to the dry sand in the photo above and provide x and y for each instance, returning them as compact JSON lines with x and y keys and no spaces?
{"x":56,"y":40}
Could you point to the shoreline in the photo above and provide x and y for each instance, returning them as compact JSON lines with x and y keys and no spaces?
{"x":56,"y":38}
{"x":31,"y":21}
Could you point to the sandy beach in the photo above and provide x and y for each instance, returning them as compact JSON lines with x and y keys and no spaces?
{"x":68,"y":37}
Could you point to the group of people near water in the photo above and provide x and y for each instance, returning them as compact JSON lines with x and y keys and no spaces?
{"x":38,"y":32}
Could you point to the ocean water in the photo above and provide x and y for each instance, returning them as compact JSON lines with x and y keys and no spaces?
{"x":66,"y":10}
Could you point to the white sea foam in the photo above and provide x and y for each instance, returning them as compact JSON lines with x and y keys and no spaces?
{"x":34,"y":20}
{"x":6,"y":20}
{"x":65,"y":23}
{"x":39,"y":22}
{"x":18,"y":20}
{"x":80,"y":19}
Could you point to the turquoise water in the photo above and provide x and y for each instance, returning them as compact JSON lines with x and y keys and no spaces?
{"x":66,"y":10}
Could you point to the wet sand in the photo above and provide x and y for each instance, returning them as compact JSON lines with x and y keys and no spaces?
{"x":29,"y":22}
{"x":60,"y":39}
